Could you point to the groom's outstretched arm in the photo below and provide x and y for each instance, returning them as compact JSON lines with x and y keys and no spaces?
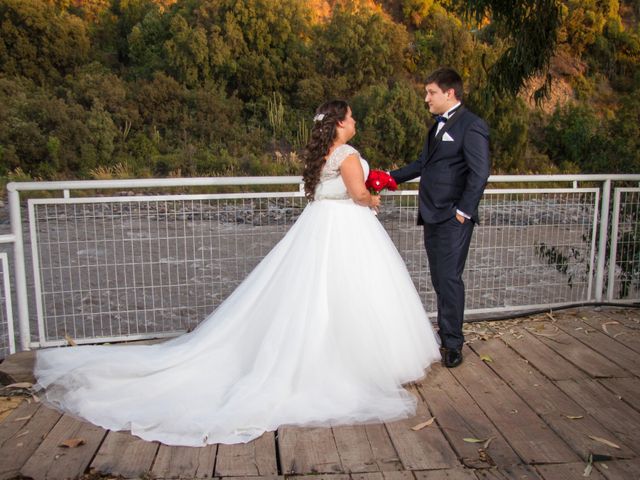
{"x":412,"y":170}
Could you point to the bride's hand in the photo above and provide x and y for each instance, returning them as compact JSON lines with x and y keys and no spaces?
{"x":375,"y":202}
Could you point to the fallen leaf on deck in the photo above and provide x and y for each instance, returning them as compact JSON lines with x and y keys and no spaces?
{"x":604,"y":326}
{"x":604,"y":441}
{"x":589,"y":467}
{"x":488,"y":442}
{"x":22,"y":418}
{"x":475,"y":440}
{"x":486,"y":358}
{"x":420,"y":426}
{"x":539,"y":328}
{"x":73,"y":442}
{"x":618,"y":334}
{"x":70,"y":340}
{"x":574,"y":417}
{"x":20,"y":385}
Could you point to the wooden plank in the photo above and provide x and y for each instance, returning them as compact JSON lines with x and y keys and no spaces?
{"x":567,"y":470}
{"x":548,"y":401}
{"x":382,"y":448}
{"x":21,"y":433}
{"x":51,"y":460}
{"x":619,"y":470}
{"x":308,"y":450}
{"x":255,"y":458}
{"x":124,"y":454}
{"x":18,"y":368}
{"x":623,"y":356}
{"x":449,"y":474}
{"x":527,"y":434}
{"x":583,"y":357}
{"x":425,"y":449}
{"x":626,"y":388}
{"x":624,"y":331}
{"x":459,"y":417}
{"x":269,"y":477}
{"x":17,"y":419}
{"x":540,"y":355}
{"x":388,"y":475}
{"x":365,"y":448}
{"x":511,"y":472}
{"x":614,"y":414}
{"x":337,"y":476}
{"x":9,"y":404}
{"x":184,"y":462}
{"x":630,"y":316}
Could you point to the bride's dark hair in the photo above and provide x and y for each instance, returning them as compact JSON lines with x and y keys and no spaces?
{"x":323,"y":133}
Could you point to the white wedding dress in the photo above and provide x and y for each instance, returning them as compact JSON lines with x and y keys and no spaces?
{"x":324,"y":331}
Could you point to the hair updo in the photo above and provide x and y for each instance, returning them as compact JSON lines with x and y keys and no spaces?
{"x":323,"y":134}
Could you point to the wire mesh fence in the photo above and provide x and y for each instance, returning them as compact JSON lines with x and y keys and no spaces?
{"x":135,"y":267}
{"x":7,"y":338}
{"x":108,"y":268}
{"x":624,"y":264}
{"x":531,"y":248}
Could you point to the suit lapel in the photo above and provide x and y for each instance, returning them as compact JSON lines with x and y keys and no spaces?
{"x":437,"y":139}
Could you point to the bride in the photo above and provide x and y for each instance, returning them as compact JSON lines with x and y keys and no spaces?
{"x":324,"y":331}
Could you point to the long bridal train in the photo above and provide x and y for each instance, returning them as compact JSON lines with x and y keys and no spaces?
{"x":324,"y":331}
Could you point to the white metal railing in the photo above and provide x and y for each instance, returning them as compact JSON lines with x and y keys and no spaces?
{"x":624,"y":271}
{"x":107,"y":268}
{"x":7,"y":336}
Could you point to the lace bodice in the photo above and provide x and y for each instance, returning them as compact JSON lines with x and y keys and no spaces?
{"x":331,"y":185}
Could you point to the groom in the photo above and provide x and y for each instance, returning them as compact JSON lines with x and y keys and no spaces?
{"x":453,"y":169}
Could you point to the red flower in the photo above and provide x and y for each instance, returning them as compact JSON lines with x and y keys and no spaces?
{"x":379,"y":180}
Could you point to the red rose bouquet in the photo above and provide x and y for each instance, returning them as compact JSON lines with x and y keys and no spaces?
{"x":379,"y":180}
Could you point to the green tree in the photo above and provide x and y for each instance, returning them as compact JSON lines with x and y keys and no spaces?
{"x":530,"y":28}
{"x":255,"y":47}
{"x":392,"y":123}
{"x":359,"y":47}
{"x":39,"y":41}
{"x":187,"y":52}
{"x":110,"y":33}
{"x":146,"y":45}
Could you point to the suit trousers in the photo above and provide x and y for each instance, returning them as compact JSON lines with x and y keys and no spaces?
{"x":447,"y":244}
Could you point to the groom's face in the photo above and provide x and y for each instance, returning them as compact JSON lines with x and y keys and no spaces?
{"x":439,"y":101}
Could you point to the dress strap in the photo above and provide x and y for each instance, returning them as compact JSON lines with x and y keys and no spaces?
{"x":339,"y":154}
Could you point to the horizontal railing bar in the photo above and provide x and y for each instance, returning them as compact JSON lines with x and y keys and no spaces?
{"x":152,"y":182}
{"x":7,"y":238}
{"x":275,"y":180}
{"x":167,"y":198}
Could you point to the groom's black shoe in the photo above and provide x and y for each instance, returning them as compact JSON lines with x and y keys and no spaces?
{"x":452,"y":358}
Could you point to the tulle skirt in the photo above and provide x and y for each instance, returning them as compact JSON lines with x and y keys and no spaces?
{"x":324,"y":331}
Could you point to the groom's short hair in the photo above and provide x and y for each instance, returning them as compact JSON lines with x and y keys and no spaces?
{"x":447,"y":78}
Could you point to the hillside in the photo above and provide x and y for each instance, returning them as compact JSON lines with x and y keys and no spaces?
{"x":115,"y":88}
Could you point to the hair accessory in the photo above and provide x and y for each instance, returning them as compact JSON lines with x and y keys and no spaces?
{"x":318,"y":117}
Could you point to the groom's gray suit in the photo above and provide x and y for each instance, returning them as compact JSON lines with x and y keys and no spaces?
{"x":453,"y":169}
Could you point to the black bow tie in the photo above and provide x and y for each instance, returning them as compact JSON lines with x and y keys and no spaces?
{"x":443,"y":119}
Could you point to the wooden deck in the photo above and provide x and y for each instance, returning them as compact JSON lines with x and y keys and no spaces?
{"x":534,"y":399}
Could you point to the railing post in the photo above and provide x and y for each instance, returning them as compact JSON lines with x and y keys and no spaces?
{"x":602,"y":240}
{"x":19,"y":267}
{"x":615,"y":224}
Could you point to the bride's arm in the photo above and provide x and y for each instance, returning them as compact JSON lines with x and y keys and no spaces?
{"x":353,"y":177}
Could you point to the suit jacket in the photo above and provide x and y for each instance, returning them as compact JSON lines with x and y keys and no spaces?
{"x":454,"y":173}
